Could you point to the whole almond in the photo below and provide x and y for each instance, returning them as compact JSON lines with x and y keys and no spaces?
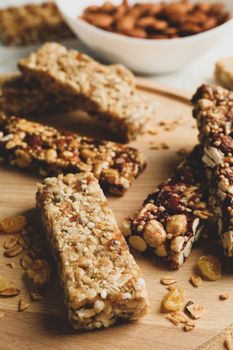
{"x":126,"y":24}
{"x":9,"y":292}
{"x":100,"y":20}
{"x":137,"y":33}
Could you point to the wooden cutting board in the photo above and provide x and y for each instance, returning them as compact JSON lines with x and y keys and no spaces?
{"x":44,"y":324}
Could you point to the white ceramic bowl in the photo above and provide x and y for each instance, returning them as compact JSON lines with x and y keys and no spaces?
{"x":143,"y":55}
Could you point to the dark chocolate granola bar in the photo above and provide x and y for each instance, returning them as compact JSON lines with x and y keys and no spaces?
{"x":49,"y":152}
{"x":214,"y":113}
{"x":172,"y":217}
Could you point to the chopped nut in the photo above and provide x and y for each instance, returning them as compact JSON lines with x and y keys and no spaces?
{"x":10,"y":243}
{"x":167,"y":280}
{"x":9,"y":292}
{"x":195,"y":280}
{"x":14,"y":251}
{"x":182,"y":152}
{"x":22,"y":305}
{"x":138,"y":243}
{"x":179,"y":315}
{"x":228,"y":343}
{"x":224,"y":296}
{"x":196,"y":311}
{"x":25,"y":261}
{"x":13,"y":224}
{"x":154,"y":233}
{"x":189,"y":328}
{"x":11,"y":265}
{"x":39,"y":272}
{"x":36,"y":296}
{"x":177,"y":224}
{"x":210,"y":267}
{"x":174,"y":299}
{"x":174,"y":320}
{"x":203,"y":214}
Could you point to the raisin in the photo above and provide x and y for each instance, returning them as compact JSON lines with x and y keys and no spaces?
{"x":210,"y":267}
{"x":174,"y":299}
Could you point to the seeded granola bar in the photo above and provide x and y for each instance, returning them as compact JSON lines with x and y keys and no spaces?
{"x":105,"y":92}
{"x":101,"y":280}
{"x":214,"y":113}
{"x":23,"y":96}
{"x":172,"y":217}
{"x":47,"y":151}
{"x":32,"y":23}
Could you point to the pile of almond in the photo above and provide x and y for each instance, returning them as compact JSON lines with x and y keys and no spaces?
{"x":156,"y":20}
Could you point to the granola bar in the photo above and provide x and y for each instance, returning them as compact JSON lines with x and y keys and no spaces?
{"x":101,"y":280}
{"x":32,"y":23}
{"x":23,"y":96}
{"x":105,"y":92}
{"x":214,"y":113}
{"x":47,"y":151}
{"x":172,"y":217}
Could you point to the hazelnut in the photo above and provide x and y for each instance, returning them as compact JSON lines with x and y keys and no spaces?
{"x":154,"y":233}
{"x":177,"y":224}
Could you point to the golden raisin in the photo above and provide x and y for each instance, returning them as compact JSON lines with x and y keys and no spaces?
{"x":210,"y":267}
{"x":13,"y":224}
{"x":174,"y":299}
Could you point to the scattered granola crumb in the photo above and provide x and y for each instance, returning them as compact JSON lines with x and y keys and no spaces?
{"x":195,"y":310}
{"x":228,"y":343}
{"x":11,"y":265}
{"x":173,"y":319}
{"x":195,"y":280}
{"x":152,"y":131}
{"x":189,"y":328}
{"x":2,"y":313}
{"x":159,"y":146}
{"x":224,"y":296}
{"x":22,"y":305}
{"x":166,"y":281}
{"x":35,"y":296}
{"x":182,"y":152}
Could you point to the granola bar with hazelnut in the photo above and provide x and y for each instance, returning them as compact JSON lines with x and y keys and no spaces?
{"x":32,"y":23}
{"x":213,"y":110}
{"x":172,"y":217}
{"x":47,"y":151}
{"x":101,"y":280}
{"x":107,"y":93}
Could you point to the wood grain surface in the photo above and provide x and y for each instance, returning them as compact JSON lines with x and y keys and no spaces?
{"x":44,"y":324}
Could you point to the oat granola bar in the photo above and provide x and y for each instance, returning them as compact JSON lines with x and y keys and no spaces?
{"x":101,"y":280}
{"x":172,"y":217}
{"x":32,"y":23}
{"x":23,"y":96}
{"x":214,"y":113}
{"x":105,"y":92}
{"x":49,"y":152}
